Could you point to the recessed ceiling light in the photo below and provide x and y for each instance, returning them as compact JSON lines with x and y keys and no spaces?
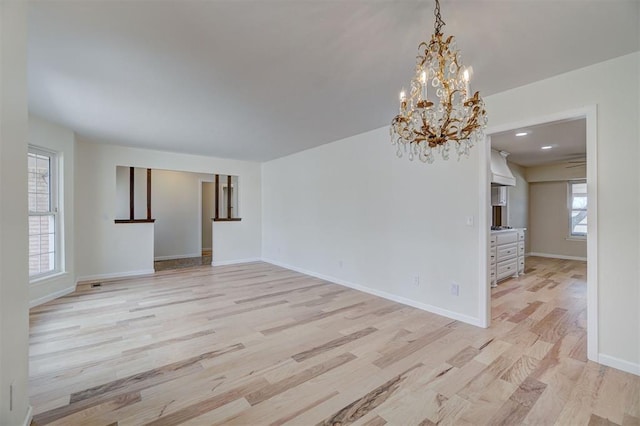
{"x":522,"y":134}
{"x":547,"y":147}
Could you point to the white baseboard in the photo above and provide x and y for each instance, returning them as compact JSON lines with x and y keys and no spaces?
{"x":48,"y":297}
{"x":619,"y":364}
{"x":28,"y":417}
{"x":557,"y":256}
{"x":115,"y":275}
{"x":394,"y":298}
{"x":180,"y":256}
{"x":235,"y":262}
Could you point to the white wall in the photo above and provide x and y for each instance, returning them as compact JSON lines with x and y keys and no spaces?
{"x":175,"y":205}
{"x":208,"y":210}
{"x":123,"y":187}
{"x":14,"y":287}
{"x":549,"y":229}
{"x":613,"y":86}
{"x":385,"y":220}
{"x":105,"y":249}
{"x":555,"y":172}
{"x":548,"y":217}
{"x":48,"y":135}
{"x":140,"y":193}
{"x":518,"y":199}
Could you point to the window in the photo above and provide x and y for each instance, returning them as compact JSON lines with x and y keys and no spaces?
{"x":43,"y":213}
{"x":578,"y":208}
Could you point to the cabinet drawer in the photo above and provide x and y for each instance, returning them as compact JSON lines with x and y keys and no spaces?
{"x":521,"y":265}
{"x":493,"y":240}
{"x":506,"y":237}
{"x":521,"y":248}
{"x":508,"y":251}
{"x":507,"y":269}
{"x":492,"y":256}
{"x":520,"y":235}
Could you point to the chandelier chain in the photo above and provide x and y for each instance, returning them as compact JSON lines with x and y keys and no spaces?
{"x":439,"y":23}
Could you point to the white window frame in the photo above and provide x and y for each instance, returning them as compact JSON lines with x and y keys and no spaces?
{"x":54,"y":210}
{"x":572,"y":235}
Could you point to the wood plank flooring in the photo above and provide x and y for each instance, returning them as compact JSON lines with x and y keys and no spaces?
{"x":256,"y":344}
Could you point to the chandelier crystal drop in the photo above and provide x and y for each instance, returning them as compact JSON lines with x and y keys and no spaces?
{"x":453,"y":117}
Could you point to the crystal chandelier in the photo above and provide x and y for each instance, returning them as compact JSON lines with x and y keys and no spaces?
{"x":424,"y":127}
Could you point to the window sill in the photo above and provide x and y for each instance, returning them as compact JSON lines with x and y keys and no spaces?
{"x":134,"y":220}
{"x":576,"y":238}
{"x":45,"y":278}
{"x":231,"y":219}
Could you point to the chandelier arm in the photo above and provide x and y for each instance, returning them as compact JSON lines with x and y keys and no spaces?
{"x":468,"y":129}
{"x":428,"y":134}
{"x":471,"y":127}
{"x":448,"y":107}
{"x":419,"y":137}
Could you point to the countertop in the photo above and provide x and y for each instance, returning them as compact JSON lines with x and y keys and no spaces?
{"x":501,"y":231}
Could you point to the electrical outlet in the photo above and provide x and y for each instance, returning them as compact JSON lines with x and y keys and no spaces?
{"x":469,"y":220}
{"x":416,"y":280}
{"x":455,"y":289}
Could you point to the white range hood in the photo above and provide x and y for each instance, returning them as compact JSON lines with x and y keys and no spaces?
{"x":500,"y":173}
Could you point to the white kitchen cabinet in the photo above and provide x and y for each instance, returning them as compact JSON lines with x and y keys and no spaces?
{"x":506,"y":254}
{"x":520,"y":251}
{"x":492,"y":261}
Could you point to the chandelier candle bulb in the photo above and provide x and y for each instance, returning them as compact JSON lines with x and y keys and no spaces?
{"x":466,"y":83}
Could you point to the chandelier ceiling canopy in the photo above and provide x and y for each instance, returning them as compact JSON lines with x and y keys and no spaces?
{"x":433,"y":119}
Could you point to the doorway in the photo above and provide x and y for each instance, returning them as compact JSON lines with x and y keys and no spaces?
{"x":573,"y":173}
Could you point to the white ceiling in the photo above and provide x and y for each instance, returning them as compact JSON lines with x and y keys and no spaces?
{"x":257,"y":80}
{"x":567,"y":139}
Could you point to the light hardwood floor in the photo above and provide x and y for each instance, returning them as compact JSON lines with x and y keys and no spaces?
{"x":257,"y":344}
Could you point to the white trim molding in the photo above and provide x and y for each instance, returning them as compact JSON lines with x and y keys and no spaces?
{"x":593,"y":346}
{"x":29,"y":416}
{"x":235,"y":262}
{"x":116,"y":275}
{"x":383,"y":294}
{"x":619,"y":364}
{"x":49,"y":297}
{"x":590,"y":113}
{"x":46,"y":279}
{"x":557,"y":256}
{"x":179,"y":256}
{"x":484,"y":230}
